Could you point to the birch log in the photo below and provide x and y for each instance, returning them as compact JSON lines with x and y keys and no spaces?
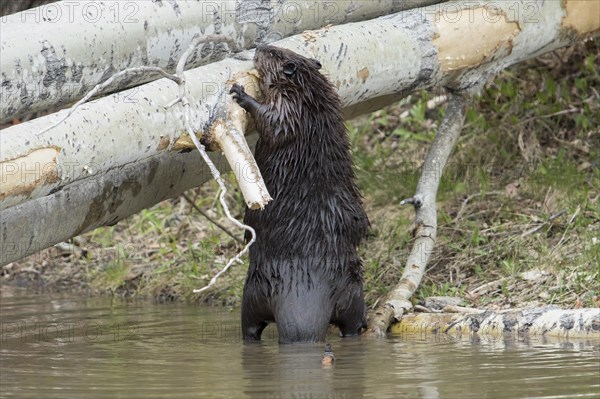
{"x":546,"y":321}
{"x":372,"y":63}
{"x":53,"y":54}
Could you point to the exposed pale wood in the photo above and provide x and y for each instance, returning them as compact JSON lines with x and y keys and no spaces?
{"x":582,"y":16}
{"x":487,"y":36}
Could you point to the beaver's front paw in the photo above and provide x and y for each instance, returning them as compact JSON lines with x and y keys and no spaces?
{"x":238,"y":92}
{"x":244,"y":100}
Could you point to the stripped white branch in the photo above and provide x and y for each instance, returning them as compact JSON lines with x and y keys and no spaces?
{"x":424,"y":201}
{"x":213,"y":169}
{"x":230,"y":137}
{"x":217,"y":176}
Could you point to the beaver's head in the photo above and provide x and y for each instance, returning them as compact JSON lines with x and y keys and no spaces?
{"x":282,"y":69}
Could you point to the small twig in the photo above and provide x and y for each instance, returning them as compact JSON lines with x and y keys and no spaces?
{"x":424,"y":309}
{"x":30,"y":270}
{"x":213,"y":221}
{"x":416,"y":201}
{"x":461,"y":309}
{"x":566,"y":229}
{"x":469,"y":198}
{"x":563,"y":112}
{"x":540,"y":226}
{"x":436,"y":101}
{"x":482,"y":289}
{"x":537,"y":117}
{"x":179,"y":70}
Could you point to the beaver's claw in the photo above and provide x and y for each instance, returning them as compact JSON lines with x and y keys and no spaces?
{"x":237,"y":90}
{"x":239,"y":95}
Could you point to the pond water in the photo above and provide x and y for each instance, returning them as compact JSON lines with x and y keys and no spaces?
{"x":65,"y":347}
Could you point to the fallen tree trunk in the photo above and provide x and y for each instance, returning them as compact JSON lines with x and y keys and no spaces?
{"x":382,"y":60}
{"x":545,"y":321}
{"x":53,"y":54}
{"x":103,"y":201}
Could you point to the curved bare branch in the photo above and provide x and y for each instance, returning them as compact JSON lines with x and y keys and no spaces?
{"x":424,"y":201}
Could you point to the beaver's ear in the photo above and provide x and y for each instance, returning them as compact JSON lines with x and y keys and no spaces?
{"x":316,"y":63}
{"x":289,"y":68}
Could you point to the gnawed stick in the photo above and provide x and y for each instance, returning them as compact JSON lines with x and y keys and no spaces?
{"x":230,"y":137}
{"x":424,"y":201}
{"x":182,"y":98}
{"x":228,"y":133}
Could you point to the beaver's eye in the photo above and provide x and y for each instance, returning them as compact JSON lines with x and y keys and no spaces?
{"x":289,"y":68}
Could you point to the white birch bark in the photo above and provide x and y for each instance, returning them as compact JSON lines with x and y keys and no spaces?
{"x":53,"y":54}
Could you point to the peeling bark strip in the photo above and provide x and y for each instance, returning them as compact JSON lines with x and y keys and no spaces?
{"x":487,"y":36}
{"x":19,"y":177}
{"x":53,"y":54}
{"x":373,"y":63}
{"x":582,"y":16}
{"x":546,"y":321}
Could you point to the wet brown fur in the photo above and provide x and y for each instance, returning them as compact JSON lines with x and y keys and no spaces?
{"x":304,"y":268}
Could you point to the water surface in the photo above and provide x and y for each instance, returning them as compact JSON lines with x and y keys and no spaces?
{"x":65,"y":347}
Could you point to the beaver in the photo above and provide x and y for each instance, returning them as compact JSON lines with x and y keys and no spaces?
{"x":304,"y":272}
